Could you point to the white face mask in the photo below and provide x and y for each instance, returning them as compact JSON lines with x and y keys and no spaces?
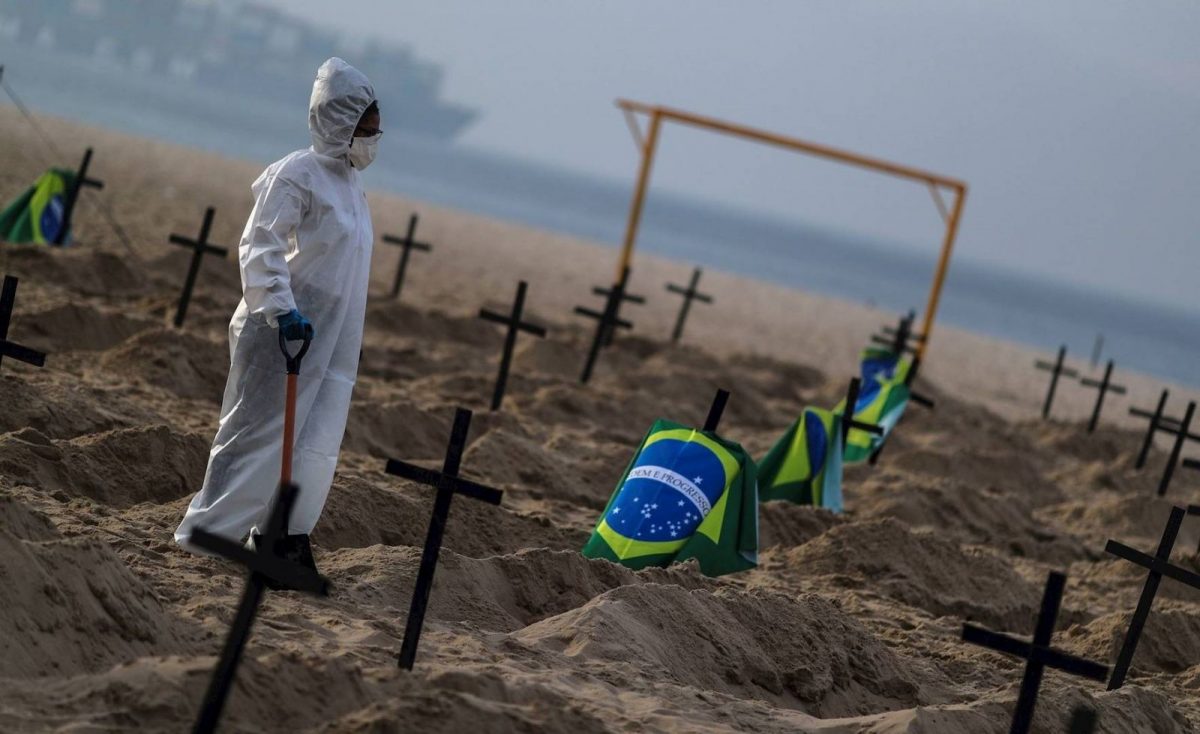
{"x":362,"y":150}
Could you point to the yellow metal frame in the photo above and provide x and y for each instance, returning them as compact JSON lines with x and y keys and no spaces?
{"x":649,"y":146}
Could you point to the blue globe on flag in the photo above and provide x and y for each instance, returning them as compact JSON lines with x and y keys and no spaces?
{"x":669,"y":490}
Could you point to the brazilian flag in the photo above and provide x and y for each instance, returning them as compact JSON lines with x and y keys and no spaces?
{"x":882,"y":362}
{"x":37,"y":214}
{"x":881,"y":401}
{"x":686,"y":494}
{"x":805,"y":464}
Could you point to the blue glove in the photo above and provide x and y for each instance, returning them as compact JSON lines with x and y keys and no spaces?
{"x":295,"y":327}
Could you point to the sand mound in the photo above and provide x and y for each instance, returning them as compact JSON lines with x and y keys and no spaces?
{"x":66,"y":409}
{"x":86,"y":271}
{"x":786,"y":524}
{"x":23,"y":522}
{"x":803,"y":653}
{"x":991,"y":469}
{"x":922,"y":570}
{"x":76,"y":327}
{"x":184,"y":364}
{"x":1170,"y":641}
{"x":400,"y":430}
{"x":286,"y":690}
{"x":73,"y":605}
{"x":1134,"y":520}
{"x":501,"y":593}
{"x":969,"y":515}
{"x":118,"y":468}
{"x":521,"y":464}
{"x":396,"y":319}
{"x":359,"y":514}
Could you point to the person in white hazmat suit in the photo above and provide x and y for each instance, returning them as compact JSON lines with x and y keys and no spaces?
{"x":305,"y":259}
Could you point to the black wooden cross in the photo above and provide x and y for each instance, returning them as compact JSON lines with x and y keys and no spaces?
{"x":607,"y":321}
{"x":621,"y":298}
{"x":514,"y":324}
{"x":8,"y":299}
{"x":689,"y":294}
{"x":448,"y":483}
{"x":1055,"y":370}
{"x":1038,"y":654}
{"x":1159,"y":565}
{"x":1155,"y":418}
{"x":81,"y":179}
{"x":897,"y":338}
{"x":1182,"y":433}
{"x":264,"y":565}
{"x":1104,"y":386}
{"x":199,"y":248}
{"x":408,"y":243}
{"x":716,"y":410}
{"x":848,"y":421}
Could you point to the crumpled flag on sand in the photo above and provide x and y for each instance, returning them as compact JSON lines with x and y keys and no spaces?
{"x":37,"y":214}
{"x":805,"y":464}
{"x":686,"y":494}
{"x":881,"y":401}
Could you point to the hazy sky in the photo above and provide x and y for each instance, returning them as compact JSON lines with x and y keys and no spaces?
{"x":1076,"y":124}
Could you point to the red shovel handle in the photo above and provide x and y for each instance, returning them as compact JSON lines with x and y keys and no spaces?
{"x":289,"y":406}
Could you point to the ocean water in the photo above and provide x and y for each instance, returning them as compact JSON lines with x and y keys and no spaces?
{"x":1147,"y":337}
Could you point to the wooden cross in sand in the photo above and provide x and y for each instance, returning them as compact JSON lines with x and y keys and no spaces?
{"x":199,"y":248}
{"x":448,"y":483}
{"x":8,"y":299}
{"x":1182,"y":432}
{"x":1104,"y":386}
{"x":848,"y":421}
{"x":1055,"y":370}
{"x":607,"y":321}
{"x":1156,"y":419}
{"x":407,"y":244}
{"x":1038,"y":654}
{"x":81,"y":179}
{"x":716,"y":410}
{"x":515,"y":325}
{"x":689,"y":294}
{"x":897,"y":338}
{"x":1159,"y":565}
{"x":264,"y":565}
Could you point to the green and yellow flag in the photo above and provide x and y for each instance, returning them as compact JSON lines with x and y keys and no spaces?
{"x":805,"y":464}
{"x":686,"y":494}
{"x":37,"y":214}
{"x":881,"y":401}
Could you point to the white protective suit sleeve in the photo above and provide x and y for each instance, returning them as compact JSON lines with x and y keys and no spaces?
{"x":279,"y":205}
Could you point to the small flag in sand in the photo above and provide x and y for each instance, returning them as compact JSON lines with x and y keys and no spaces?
{"x":199,"y":248}
{"x":1159,"y":565}
{"x":8,"y":299}
{"x":877,"y":404}
{"x":687,"y":494}
{"x":805,"y":464}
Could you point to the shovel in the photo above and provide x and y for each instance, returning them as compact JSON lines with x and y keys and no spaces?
{"x":289,"y":410}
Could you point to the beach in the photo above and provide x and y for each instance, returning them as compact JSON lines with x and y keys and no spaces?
{"x":850,"y":622}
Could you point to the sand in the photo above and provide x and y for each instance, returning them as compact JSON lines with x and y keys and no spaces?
{"x":851,"y":623}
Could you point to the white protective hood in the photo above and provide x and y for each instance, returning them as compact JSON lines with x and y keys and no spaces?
{"x":340,"y":95}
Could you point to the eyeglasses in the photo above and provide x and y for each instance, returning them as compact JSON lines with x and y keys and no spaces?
{"x":367,"y":132}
